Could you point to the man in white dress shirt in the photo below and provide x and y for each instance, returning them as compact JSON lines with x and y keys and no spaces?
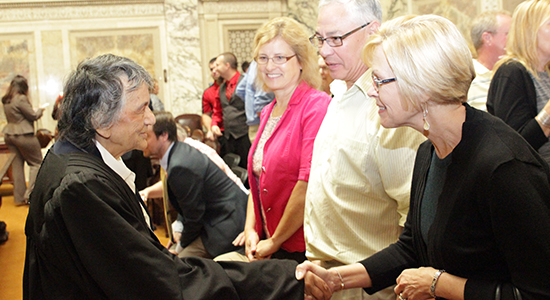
{"x":489,"y":33}
{"x":358,"y":194}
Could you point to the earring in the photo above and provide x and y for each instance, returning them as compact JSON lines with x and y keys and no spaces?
{"x":425,"y":114}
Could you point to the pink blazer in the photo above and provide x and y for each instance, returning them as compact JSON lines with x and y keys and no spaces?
{"x":287,"y":158}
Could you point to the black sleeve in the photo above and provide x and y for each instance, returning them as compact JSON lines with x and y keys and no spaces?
{"x":519,"y":211}
{"x":512,"y":98}
{"x":267,"y":279}
{"x":386,"y":265}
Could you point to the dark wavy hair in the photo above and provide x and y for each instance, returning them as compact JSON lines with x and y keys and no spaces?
{"x":95,"y":94}
{"x":165,"y":123}
{"x":18,"y":86}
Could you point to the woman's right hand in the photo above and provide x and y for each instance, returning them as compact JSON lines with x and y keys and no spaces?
{"x":251,"y":241}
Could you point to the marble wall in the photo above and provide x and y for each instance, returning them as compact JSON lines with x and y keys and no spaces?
{"x":184,"y":56}
{"x":173,"y":39}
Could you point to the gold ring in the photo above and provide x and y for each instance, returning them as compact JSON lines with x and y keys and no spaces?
{"x":401,"y":297}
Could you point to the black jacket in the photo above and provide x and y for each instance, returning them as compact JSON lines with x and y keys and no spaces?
{"x":492,"y":224}
{"x":212,"y":205}
{"x":87,"y":239}
{"x":513,"y":98}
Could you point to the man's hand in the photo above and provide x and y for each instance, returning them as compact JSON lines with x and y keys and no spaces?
{"x":177,"y":238}
{"x":315,"y":278}
{"x":144,"y":194}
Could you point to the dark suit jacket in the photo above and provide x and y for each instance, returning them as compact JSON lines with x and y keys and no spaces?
{"x":212,"y":205}
{"x":87,"y":239}
{"x":20,"y":116}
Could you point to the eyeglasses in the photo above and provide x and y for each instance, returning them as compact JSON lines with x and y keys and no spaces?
{"x":279,"y":59}
{"x":334,"y":41}
{"x":378,"y":83}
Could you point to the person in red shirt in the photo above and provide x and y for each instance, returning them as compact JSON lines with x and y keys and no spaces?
{"x":211,"y":107}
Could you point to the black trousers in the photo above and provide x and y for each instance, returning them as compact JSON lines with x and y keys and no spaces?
{"x":239,"y":146}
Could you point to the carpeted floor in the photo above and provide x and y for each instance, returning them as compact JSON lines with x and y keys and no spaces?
{"x":12,"y":253}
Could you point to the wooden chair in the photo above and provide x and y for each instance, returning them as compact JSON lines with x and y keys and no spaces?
{"x":44,"y":137}
{"x":192,"y":124}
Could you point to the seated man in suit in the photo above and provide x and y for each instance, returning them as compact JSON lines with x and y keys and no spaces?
{"x":211,"y":206}
{"x":88,"y":233}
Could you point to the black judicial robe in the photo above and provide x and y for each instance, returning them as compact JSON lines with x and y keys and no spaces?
{"x":87,"y":239}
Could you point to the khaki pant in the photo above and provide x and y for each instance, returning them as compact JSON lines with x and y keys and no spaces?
{"x":196,"y":248}
{"x":26,"y":149}
{"x":232,"y":256}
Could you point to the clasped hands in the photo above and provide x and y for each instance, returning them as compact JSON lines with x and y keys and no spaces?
{"x":254,"y":248}
{"x":320,"y":283}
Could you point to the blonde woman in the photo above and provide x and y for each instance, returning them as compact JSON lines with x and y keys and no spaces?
{"x":520,"y":89}
{"x":478,"y":225}
{"x":280,"y":157}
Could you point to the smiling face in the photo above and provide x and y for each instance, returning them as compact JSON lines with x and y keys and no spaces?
{"x":213,"y":71}
{"x":284,"y":78}
{"x":344,"y":62}
{"x":388,"y":98}
{"x":130,"y":130}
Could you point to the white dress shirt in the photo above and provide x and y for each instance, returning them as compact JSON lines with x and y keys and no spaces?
{"x":120,"y":168}
{"x":477,"y":94}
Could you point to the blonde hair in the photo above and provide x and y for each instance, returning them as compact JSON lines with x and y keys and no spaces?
{"x":428,"y":56}
{"x":295,"y":35}
{"x":522,"y":40}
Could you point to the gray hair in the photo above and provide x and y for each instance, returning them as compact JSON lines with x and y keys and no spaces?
{"x":485,"y":22}
{"x":362,"y":11}
{"x":95,"y":94}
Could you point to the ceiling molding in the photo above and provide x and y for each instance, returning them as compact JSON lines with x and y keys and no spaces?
{"x":65,"y":3}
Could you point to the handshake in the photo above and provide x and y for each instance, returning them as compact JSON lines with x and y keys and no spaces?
{"x":320,"y":283}
{"x":412,"y":284}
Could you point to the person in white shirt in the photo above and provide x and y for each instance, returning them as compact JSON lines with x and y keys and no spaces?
{"x":358,"y":194}
{"x":489,"y":33}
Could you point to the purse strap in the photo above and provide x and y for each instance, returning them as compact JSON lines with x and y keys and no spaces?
{"x":517,"y":294}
